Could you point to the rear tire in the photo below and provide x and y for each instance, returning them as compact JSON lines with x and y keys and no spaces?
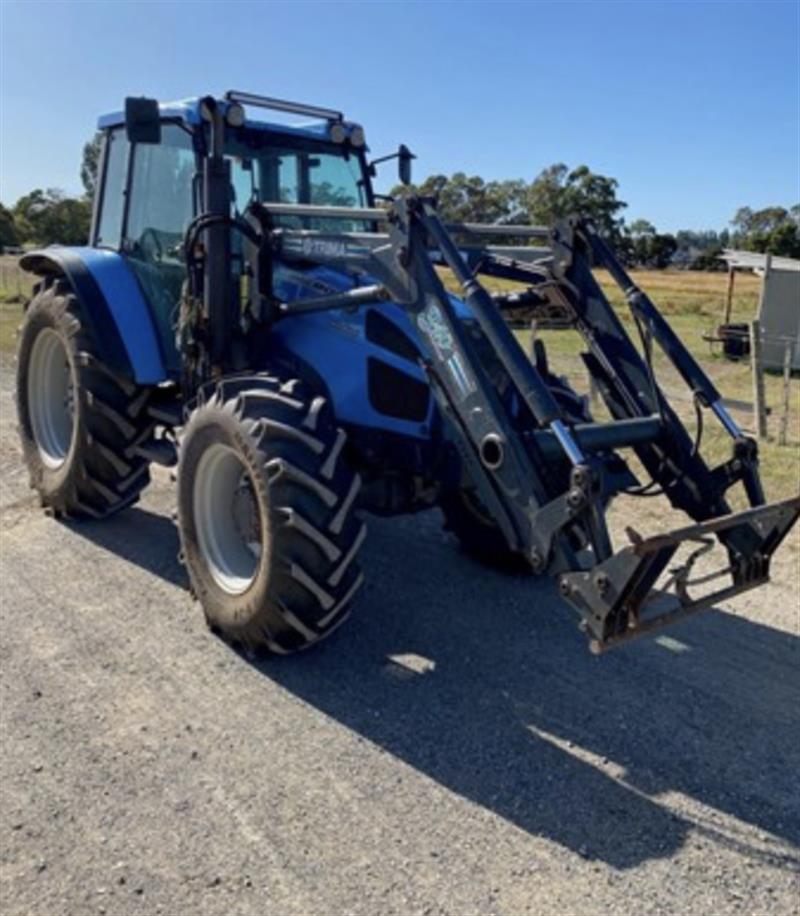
{"x":266,"y":514}
{"x":80,"y":422}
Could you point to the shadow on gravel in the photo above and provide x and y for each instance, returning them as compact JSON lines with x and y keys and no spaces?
{"x":516,"y":715}
{"x":145,"y":538}
{"x":482,"y":682}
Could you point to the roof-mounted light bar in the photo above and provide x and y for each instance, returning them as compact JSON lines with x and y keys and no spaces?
{"x":263,"y":101}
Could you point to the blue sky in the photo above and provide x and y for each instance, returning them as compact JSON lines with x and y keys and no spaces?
{"x":692,"y":106}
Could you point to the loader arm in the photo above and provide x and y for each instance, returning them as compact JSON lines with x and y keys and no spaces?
{"x":559,"y":530}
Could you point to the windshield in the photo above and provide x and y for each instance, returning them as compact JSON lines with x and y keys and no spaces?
{"x":327,"y":176}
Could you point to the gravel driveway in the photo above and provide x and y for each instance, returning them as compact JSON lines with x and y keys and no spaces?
{"x":453,"y":749}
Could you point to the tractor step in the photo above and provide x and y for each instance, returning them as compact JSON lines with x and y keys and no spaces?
{"x":168,"y":414}
{"x":617,"y":598}
{"x":159,"y":451}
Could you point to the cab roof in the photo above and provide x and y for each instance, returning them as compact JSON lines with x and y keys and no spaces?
{"x":188,"y":112}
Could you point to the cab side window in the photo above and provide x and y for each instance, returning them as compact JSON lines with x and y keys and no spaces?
{"x":109,"y":227}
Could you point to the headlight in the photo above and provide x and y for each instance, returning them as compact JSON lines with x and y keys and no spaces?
{"x":235,"y":115}
{"x":338,"y":133}
{"x":357,"y":137}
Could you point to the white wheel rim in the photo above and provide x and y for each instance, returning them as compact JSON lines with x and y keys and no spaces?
{"x":227,"y":519}
{"x":51,"y":398}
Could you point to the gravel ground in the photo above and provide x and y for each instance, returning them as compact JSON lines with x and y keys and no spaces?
{"x":453,"y":749}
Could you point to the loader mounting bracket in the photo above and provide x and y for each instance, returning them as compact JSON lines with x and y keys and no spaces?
{"x":617,"y":598}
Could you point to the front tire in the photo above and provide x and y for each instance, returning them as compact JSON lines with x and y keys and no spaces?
{"x":266,"y":514}
{"x":80,"y":422}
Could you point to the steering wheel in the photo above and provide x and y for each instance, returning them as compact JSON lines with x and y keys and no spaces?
{"x":154,"y":243}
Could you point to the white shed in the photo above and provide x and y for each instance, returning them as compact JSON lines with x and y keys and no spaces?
{"x":779,"y":305}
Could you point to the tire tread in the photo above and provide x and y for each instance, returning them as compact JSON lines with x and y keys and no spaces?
{"x":290,"y":434}
{"x":103,"y":475}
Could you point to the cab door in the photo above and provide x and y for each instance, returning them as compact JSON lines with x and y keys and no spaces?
{"x":160,"y":205}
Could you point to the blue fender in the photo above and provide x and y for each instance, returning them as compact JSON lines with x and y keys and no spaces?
{"x":112,"y":304}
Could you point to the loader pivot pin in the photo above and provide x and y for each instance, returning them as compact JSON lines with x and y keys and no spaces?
{"x":567,"y":442}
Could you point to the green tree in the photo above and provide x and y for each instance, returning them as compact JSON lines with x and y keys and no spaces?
{"x":709,"y":259}
{"x":662,"y":248}
{"x":47,"y":217}
{"x":470,"y":199}
{"x":90,"y":162}
{"x":641,"y":227}
{"x":783,"y":240}
{"x":642,"y":245}
{"x":9,"y":235}
{"x":637,"y":241}
{"x":545,"y":197}
{"x":595,"y":196}
{"x":557,"y":192}
{"x":771,"y":229}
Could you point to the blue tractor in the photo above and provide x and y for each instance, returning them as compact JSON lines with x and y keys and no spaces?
{"x":249,"y":310}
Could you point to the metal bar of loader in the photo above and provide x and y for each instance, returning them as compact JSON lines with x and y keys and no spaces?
{"x":352,"y":298}
{"x":642,"y":306}
{"x":494,"y":230}
{"x":526,"y":378}
{"x":547,"y":514}
{"x":314,"y":211}
{"x":599,"y":436}
{"x":625,"y":384}
{"x":511,"y":486}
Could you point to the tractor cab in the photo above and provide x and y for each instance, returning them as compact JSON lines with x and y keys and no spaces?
{"x":151,"y":184}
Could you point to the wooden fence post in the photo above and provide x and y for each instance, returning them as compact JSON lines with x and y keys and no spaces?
{"x":759,"y":405}
{"x":783,"y":429}
{"x":762,"y":296}
{"x":729,"y":295}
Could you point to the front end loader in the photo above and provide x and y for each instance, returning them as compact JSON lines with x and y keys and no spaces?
{"x":247,"y":311}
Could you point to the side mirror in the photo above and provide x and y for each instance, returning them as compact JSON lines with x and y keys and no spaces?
{"x":142,"y":120}
{"x":404,"y":157}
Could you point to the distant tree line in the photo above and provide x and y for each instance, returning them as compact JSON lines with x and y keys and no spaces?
{"x":46,"y":216}
{"x":558,"y":191}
